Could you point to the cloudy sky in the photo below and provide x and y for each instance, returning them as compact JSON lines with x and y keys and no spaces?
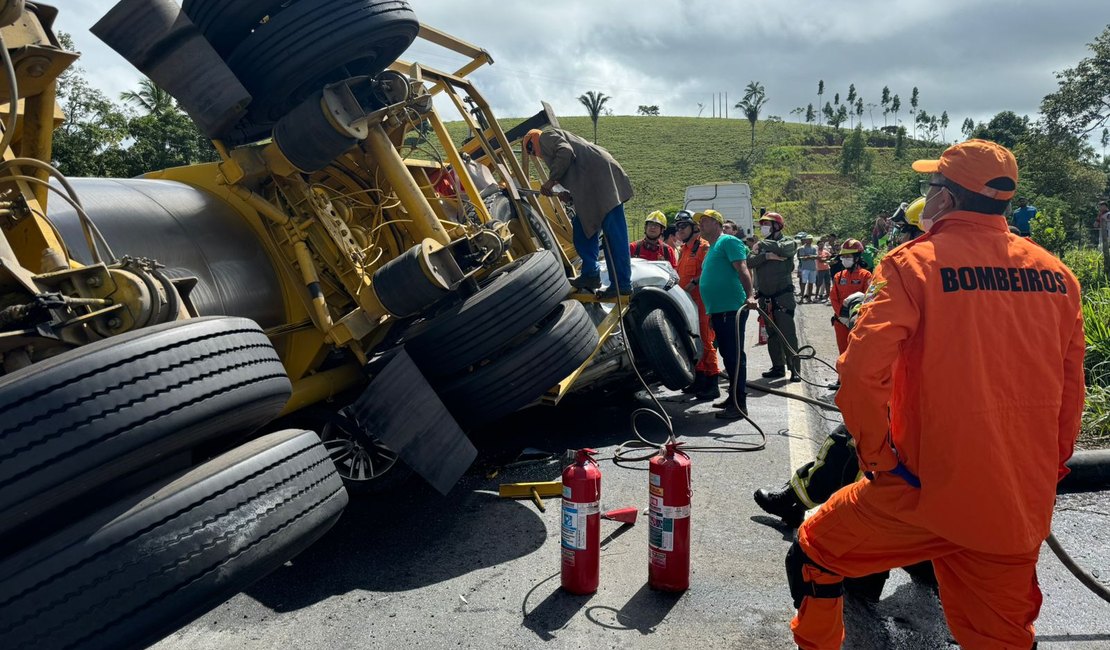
{"x":971,"y":58}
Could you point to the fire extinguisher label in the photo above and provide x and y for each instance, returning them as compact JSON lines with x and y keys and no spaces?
{"x":660,"y":532}
{"x":676,"y":512}
{"x":659,"y":559}
{"x":574,"y":523}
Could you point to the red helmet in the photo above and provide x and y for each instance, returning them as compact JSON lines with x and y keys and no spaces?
{"x":851,"y":247}
{"x":773,"y":217}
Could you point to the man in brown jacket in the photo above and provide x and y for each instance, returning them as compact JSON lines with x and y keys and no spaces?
{"x":599,"y":188}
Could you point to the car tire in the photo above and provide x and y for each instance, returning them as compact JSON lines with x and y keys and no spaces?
{"x":91,"y":415}
{"x":366,"y":465}
{"x":310,"y":44}
{"x":663,"y":350}
{"x":511,"y":301}
{"x":520,"y":374}
{"x":128,"y":575}
{"x":226,"y":23}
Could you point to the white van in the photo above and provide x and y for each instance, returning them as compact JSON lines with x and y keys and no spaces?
{"x":733,"y":200}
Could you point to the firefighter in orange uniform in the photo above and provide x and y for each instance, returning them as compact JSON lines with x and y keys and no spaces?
{"x":961,"y":461}
{"x":852,"y":279}
{"x":690,"y":260}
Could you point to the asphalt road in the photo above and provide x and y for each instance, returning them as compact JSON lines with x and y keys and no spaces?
{"x":472,"y":570}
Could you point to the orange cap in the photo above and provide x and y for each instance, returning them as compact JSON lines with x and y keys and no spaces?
{"x":981,"y":166}
{"x":532,"y":138}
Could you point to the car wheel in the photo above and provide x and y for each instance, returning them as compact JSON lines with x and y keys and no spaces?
{"x":663,"y":350}
{"x":366,"y":464}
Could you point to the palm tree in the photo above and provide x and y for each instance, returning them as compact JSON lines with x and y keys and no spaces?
{"x":149,"y":97}
{"x":594,"y":103}
{"x":820,"y":94}
{"x":913,"y":110}
{"x":755,"y":96}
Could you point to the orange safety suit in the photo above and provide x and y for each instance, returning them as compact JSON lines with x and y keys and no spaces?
{"x":690,"y":260}
{"x":931,"y":381}
{"x":844,"y":284}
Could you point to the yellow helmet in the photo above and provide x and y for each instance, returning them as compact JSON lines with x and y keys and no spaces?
{"x":656,"y":217}
{"x":712,"y":214}
{"x":913,"y":212}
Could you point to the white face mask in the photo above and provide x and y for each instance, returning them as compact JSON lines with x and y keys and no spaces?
{"x":765,"y":231}
{"x":848,"y":262}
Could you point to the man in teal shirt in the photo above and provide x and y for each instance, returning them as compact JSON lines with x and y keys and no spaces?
{"x":726,"y":286}
{"x":1023,"y":216}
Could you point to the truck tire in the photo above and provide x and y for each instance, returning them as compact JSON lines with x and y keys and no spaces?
{"x":519,"y":375}
{"x":310,"y":44}
{"x":510,"y":302}
{"x":96,"y":413}
{"x":130,"y":574}
{"x":226,"y":23}
{"x":664,"y":352}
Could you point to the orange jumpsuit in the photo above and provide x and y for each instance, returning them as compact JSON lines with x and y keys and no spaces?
{"x":689,"y":268}
{"x":844,"y":284}
{"x":931,"y":371}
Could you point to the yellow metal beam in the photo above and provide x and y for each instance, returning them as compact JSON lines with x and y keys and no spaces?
{"x":534,"y":491}
{"x":425,"y":224}
{"x":457,"y":164}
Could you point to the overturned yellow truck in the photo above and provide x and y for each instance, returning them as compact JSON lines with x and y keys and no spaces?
{"x":196,"y":366}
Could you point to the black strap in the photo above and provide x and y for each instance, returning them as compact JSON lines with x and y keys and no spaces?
{"x":825,"y":591}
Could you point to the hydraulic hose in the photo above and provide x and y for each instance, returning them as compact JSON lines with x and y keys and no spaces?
{"x":641,"y":448}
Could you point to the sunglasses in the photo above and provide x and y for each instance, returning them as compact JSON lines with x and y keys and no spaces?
{"x":926,"y":184}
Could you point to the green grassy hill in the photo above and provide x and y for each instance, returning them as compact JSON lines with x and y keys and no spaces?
{"x":793,"y":170}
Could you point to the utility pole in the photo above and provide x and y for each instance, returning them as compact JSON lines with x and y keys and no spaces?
{"x":726,"y":105}
{"x":714,"y":105}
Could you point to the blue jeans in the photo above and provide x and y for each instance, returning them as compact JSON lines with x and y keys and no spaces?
{"x":619,"y":262}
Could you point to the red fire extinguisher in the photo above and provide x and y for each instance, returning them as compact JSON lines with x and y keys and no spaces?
{"x":669,"y":520}
{"x":581,"y":546}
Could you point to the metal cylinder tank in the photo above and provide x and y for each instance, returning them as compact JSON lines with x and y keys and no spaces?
{"x":190,"y":231}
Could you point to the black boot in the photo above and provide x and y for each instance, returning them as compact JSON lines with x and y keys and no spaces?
{"x":709,"y":390}
{"x":700,"y":381}
{"x":782,"y":503}
{"x":775,"y":373}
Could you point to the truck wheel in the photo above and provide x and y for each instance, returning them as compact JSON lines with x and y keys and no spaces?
{"x":510,"y":302}
{"x":659,"y":341}
{"x":310,"y":44}
{"x":127,"y":575}
{"x":519,"y":375}
{"x":96,"y":413}
{"x":226,"y":23}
